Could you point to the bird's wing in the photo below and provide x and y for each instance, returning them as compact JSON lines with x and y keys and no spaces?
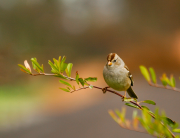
{"x":129,"y":75}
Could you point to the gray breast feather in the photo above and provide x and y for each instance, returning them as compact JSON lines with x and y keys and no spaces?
{"x":117,"y":79}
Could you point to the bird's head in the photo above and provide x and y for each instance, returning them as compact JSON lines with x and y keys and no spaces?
{"x":113,"y":61}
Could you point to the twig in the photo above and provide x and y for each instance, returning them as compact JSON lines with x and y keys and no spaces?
{"x":118,"y":95}
{"x":79,"y":89}
{"x":161,"y":86}
{"x":46,"y":74}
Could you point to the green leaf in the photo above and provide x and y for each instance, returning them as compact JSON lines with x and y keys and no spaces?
{"x":135,"y":114}
{"x":118,"y":113}
{"x":93,"y":79}
{"x":112,"y":114}
{"x":153,"y":75}
{"x":175,"y":126}
{"x":42,"y":68}
{"x":53,"y":67}
{"x":63,"y":65}
{"x":156,"y":112}
{"x":132,"y":105}
{"x":63,"y":59}
{"x":173,"y":82}
{"x":24,"y":69}
{"x":56,"y":63}
{"x":169,"y":121}
{"x":144,"y":124}
{"x":81,"y":81}
{"x":77,"y":77}
{"x":145,"y":73}
{"x":59,"y":63}
{"x":128,"y":99}
{"x":145,"y":116}
{"x":121,"y":114}
{"x":90,"y":86}
{"x":149,"y":102}
{"x":135,"y":120}
{"x":66,"y":90}
{"x":36,"y":65}
{"x":85,"y":83}
{"x":164,"y":83}
{"x":68,"y":69}
{"x":176,"y":130}
{"x":145,"y":107}
{"x":60,"y":76}
{"x":165,"y":80}
{"x":65,"y":83}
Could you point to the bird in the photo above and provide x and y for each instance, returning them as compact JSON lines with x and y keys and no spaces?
{"x":117,"y":76}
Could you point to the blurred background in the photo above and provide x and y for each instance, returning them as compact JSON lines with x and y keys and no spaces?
{"x":85,"y":31}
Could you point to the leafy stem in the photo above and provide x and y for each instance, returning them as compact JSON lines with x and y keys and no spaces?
{"x":111,"y":91}
{"x":151,"y":79}
{"x":164,"y":87}
{"x":58,"y":67}
{"x":79,"y":89}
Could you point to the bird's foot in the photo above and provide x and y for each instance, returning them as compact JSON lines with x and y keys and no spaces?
{"x":123,"y":98}
{"x":104,"y":89}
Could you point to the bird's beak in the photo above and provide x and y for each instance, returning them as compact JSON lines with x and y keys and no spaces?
{"x":109,"y":63}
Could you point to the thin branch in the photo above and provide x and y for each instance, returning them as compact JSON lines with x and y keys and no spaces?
{"x":133,"y":102}
{"x":46,"y":74}
{"x":72,"y":79}
{"x":79,"y":89}
{"x":118,"y":95}
{"x":162,"y":86}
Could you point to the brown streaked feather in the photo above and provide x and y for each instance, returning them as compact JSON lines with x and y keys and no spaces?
{"x":129,"y":75}
{"x":111,"y":56}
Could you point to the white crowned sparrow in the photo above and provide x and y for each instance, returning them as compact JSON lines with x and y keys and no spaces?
{"x":117,"y":76}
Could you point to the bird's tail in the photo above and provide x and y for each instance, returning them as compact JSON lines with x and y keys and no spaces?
{"x":131,"y":93}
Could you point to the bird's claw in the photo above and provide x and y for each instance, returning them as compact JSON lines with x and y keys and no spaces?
{"x":123,"y":98}
{"x":104,"y":89}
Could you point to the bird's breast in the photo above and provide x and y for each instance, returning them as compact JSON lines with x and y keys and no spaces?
{"x":117,"y":79}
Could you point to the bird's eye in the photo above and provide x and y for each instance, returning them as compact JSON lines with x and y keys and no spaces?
{"x":114,"y":61}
